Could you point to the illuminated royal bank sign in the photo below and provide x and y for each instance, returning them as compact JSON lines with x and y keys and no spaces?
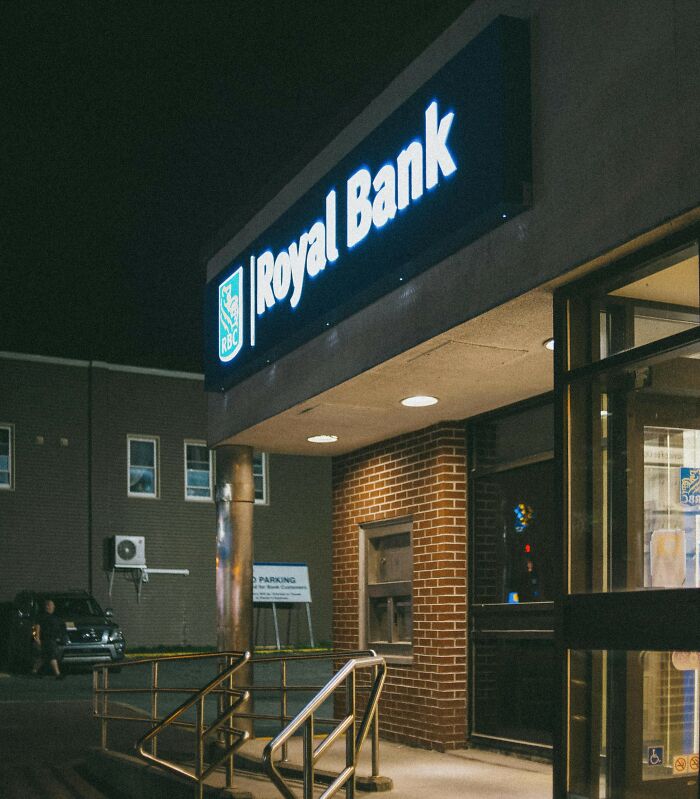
{"x":450,"y":164}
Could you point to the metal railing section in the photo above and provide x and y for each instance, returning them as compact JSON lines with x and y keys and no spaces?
{"x":234,"y":737}
{"x":354,"y":737}
{"x":232,"y":696}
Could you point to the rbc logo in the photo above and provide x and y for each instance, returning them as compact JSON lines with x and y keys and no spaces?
{"x":690,"y":486}
{"x":231,"y":316}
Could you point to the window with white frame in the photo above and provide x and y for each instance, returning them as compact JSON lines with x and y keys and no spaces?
{"x":6,"y":456}
{"x":260,"y":478}
{"x":198,"y":471}
{"x":143,"y":466}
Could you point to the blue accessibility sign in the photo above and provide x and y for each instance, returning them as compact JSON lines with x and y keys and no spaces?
{"x":655,"y":755}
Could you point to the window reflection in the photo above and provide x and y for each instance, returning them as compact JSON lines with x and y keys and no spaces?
{"x":514,"y":689}
{"x":634,"y":724}
{"x":635,"y":493}
{"x":671,"y":510}
{"x":513,"y":535}
{"x":670,"y":715}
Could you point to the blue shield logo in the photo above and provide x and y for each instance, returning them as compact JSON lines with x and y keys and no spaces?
{"x":690,"y":486}
{"x":231,"y":316}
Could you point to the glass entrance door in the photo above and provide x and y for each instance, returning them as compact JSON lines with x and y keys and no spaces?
{"x":628,"y":394}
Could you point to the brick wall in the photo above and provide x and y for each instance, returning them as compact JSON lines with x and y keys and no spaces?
{"x":421,"y":475}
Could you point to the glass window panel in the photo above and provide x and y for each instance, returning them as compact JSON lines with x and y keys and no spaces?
{"x":513,"y":522}
{"x":197,"y":454}
{"x":634,"y":724}
{"x":197,"y":478}
{"x":198,"y":472}
{"x":259,"y":488}
{"x":142,"y":453}
{"x":671,"y":507}
{"x":660,"y":299}
{"x":142,"y":467}
{"x":634,"y":491}
{"x":70,"y":607}
{"x":5,"y":475}
{"x":515,"y":682}
{"x":142,"y":481}
{"x":260,"y":477}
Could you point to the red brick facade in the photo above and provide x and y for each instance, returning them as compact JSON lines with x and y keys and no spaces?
{"x":419,"y":475}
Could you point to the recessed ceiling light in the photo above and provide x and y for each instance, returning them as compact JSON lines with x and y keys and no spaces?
{"x":548,"y":344}
{"x":322,"y":439}
{"x":419,"y":401}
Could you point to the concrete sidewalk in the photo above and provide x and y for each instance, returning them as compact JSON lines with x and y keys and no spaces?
{"x":46,"y":724}
{"x":423,"y":774}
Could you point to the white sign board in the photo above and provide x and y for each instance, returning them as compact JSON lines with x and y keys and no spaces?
{"x":281,"y":582}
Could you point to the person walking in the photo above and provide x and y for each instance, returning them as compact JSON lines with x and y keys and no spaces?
{"x":52,"y":631}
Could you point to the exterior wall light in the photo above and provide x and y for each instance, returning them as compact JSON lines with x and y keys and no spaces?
{"x":419,"y":401}
{"x":548,"y":344}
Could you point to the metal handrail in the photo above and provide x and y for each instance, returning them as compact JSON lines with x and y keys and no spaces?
{"x":353,"y":738}
{"x":230,"y":699}
{"x":200,"y":773}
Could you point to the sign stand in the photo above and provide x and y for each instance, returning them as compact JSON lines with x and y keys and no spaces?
{"x":285,"y":584}
{"x":308,"y":621}
{"x":275,"y":620}
{"x":277,"y":627}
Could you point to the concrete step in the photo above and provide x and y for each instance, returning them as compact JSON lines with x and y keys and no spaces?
{"x":81,"y":788}
{"x":137,"y":779}
{"x":45,"y":782}
{"x":17,"y":782}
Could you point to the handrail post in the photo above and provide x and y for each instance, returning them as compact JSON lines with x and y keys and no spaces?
{"x":283,"y":706}
{"x":154,"y":705}
{"x":223,"y":664}
{"x":309,"y":758}
{"x":350,"y":750}
{"x":199,"y":748}
{"x":105,"y":707}
{"x":375,"y":731}
{"x":95,"y":690}
{"x":229,"y":737}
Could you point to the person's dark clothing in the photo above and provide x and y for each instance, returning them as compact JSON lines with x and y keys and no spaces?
{"x":52,"y":631}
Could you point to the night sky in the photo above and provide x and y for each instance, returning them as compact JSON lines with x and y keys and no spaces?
{"x":131,"y":132}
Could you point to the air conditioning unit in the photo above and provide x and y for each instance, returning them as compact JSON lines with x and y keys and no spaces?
{"x":129,"y":552}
